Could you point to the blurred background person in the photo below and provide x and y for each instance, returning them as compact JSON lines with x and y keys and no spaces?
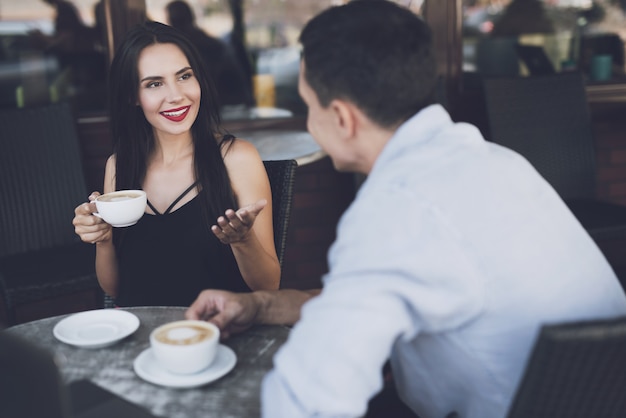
{"x":523,"y":16}
{"x":78,"y":49}
{"x":232,"y":86}
{"x":70,"y":35}
{"x":237,"y":41}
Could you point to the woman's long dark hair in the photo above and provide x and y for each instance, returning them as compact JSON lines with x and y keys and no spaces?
{"x":133,"y":137}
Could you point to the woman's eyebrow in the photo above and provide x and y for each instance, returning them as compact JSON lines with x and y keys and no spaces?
{"x":182,"y":70}
{"x":151,"y":77}
{"x":158,"y":77}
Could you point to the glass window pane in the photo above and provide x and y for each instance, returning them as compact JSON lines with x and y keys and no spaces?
{"x":271,"y":29}
{"x":51,"y":50}
{"x":555,"y":35}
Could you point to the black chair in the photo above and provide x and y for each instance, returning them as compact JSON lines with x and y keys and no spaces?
{"x":41,"y":182}
{"x":496,"y":56}
{"x":535,"y":59}
{"x":547,"y":120}
{"x":281,"y":174}
{"x":29,"y":368}
{"x":575,"y":370}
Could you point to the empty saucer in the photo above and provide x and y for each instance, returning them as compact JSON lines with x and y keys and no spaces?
{"x":97,"y":328}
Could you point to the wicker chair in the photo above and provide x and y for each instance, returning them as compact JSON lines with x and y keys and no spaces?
{"x":575,"y":370}
{"x":41,"y":182}
{"x":282,"y":174}
{"x":547,"y":120}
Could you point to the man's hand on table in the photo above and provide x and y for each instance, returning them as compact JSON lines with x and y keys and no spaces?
{"x":236,"y":312}
{"x":231,"y":312}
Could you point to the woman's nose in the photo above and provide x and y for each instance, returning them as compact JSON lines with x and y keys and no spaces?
{"x":174,"y":94}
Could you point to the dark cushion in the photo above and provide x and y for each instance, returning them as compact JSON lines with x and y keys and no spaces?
{"x":47,"y":273}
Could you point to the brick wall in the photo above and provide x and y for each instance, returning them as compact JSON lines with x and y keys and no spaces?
{"x":609,"y":124}
{"x":609,"y":130}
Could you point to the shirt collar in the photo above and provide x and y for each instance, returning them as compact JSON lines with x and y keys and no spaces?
{"x":420,"y":128}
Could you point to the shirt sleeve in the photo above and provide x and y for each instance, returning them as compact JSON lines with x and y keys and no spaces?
{"x":391,"y":277}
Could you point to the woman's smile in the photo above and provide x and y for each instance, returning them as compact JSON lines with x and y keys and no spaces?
{"x":176,"y":115}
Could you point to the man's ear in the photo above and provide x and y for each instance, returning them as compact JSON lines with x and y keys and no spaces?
{"x":345,"y":117}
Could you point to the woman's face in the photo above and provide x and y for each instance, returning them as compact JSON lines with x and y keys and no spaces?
{"x":169,"y":93}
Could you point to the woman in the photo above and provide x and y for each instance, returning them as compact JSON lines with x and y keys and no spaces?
{"x":167,"y":142}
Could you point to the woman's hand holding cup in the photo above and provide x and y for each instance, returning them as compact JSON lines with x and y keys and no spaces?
{"x":88,"y":227}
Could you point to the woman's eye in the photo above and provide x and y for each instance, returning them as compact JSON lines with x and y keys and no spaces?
{"x":153,"y":84}
{"x":186,"y":76}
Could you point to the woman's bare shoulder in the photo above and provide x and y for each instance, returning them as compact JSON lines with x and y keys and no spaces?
{"x":240,"y":151}
{"x":111,"y":160}
{"x":109,"y":175}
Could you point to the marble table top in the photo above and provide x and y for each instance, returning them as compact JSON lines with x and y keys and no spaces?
{"x":283,"y":144}
{"x":239,"y":112}
{"x":235,"y":395}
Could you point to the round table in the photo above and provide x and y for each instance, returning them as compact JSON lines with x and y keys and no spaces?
{"x":284,"y":144}
{"x":240,"y":112}
{"x":235,"y":395}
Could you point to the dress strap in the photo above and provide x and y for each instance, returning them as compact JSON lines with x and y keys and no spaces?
{"x":156,"y":212}
{"x":169,"y":209}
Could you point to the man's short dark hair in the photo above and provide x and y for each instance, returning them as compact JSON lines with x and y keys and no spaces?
{"x":374,"y":53}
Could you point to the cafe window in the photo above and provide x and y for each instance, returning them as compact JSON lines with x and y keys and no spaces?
{"x":51,"y":52}
{"x":523,"y":37}
{"x":271,"y":29}
{"x":269,"y":54}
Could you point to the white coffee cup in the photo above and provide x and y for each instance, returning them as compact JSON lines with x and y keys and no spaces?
{"x":185,"y":347}
{"x":121,"y":208}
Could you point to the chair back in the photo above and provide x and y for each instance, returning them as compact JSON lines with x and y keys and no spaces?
{"x":29,"y":368}
{"x":547,"y":120}
{"x":575,"y":370}
{"x":41,"y":178}
{"x":497,"y":56}
{"x":281,"y":174}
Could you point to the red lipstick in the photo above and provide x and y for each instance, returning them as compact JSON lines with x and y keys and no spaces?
{"x":176,"y":115}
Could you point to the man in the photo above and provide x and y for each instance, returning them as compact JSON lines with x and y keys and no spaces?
{"x":453,"y":254}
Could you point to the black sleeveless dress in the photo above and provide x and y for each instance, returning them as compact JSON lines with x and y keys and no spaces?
{"x":168,"y":259}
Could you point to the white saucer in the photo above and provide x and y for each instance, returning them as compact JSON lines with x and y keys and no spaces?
{"x":147,"y":368}
{"x":97,"y":328}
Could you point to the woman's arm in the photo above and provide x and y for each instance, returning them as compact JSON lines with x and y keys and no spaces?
{"x":254,"y":250}
{"x":106,"y":260}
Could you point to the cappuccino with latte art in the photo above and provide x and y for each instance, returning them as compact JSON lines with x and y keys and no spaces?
{"x":183,"y":334}
{"x":185,"y":347}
